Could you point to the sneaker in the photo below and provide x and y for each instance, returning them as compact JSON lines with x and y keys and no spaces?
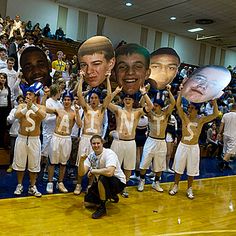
{"x":141,"y":185}
{"x":45,"y":178}
{"x":19,"y":189}
{"x":9,"y":170}
{"x":150,"y":175}
{"x":174,"y":190}
{"x":78,"y":189}
{"x":101,"y":211}
{"x":62,"y":187}
{"x":157,"y":187}
{"x":134,"y":177}
{"x":88,"y":187}
{"x":125,"y":194}
{"x":34,"y":191}
{"x":189,"y":193}
{"x":49,"y":188}
{"x":115,"y":199}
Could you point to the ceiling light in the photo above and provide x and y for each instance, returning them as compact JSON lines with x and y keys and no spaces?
{"x":195,"y":30}
{"x":173,"y":18}
{"x":128,"y":4}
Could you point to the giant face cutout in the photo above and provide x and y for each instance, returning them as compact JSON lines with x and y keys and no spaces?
{"x":164,"y":65}
{"x":206,"y":83}
{"x":35,"y":66}
{"x":131,"y":72}
{"x":96,"y":58}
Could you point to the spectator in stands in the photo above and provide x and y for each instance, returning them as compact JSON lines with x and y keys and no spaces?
{"x":96,"y":57}
{"x":59,"y":64}
{"x":206,"y":83}
{"x":29,"y":26}
{"x":5,"y":107}
{"x":13,"y":49}
{"x":75,"y":64}
{"x":35,"y":66}
{"x":164,"y":63}
{"x":59,"y":34}
{"x":228,"y":131}
{"x":47,"y":31}
{"x":3,"y":41}
{"x":11,"y":119}
{"x":30,"y":42}
{"x":212,"y":137}
{"x":3,"y":57}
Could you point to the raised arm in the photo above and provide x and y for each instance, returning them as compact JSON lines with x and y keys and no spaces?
{"x":108,"y":98}
{"x":172,"y":100}
{"x":148,"y":103}
{"x":77,"y":117}
{"x":82,"y":101}
{"x":207,"y":119}
{"x":178,"y":106}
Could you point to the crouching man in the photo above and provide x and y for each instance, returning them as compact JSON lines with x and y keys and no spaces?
{"x":109,"y":179}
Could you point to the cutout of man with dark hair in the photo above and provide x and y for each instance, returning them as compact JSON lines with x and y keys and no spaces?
{"x":35,"y":66}
{"x":164,"y":63}
{"x":96,"y":58}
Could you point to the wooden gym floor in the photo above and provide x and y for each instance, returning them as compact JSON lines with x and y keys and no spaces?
{"x":148,"y":213}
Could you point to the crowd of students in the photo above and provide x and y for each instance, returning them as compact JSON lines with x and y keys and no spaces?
{"x":73,"y":111}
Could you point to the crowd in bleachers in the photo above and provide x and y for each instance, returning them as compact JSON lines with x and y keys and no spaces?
{"x":16,"y":36}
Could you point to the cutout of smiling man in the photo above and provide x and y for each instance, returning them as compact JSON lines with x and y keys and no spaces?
{"x":132,"y":67}
{"x":96,"y":58}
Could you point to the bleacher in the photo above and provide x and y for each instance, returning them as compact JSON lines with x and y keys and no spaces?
{"x":69,"y":48}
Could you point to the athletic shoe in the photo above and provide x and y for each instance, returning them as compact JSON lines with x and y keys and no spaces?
{"x":150,"y":175}
{"x":157,"y":187}
{"x":101,"y":211}
{"x":174,"y":190}
{"x":168,"y":170}
{"x":115,"y":199}
{"x":19,"y":189}
{"x":62,"y":187}
{"x":78,"y":189}
{"x":141,"y":185}
{"x":134,"y":177}
{"x":49,"y":188}
{"x":189,"y":193}
{"x":34,"y":191}
{"x":125,"y":194}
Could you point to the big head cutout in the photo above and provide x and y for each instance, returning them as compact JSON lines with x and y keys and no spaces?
{"x":35,"y":66}
{"x":132,"y":67}
{"x":164,"y":65}
{"x":96,"y":58}
{"x":206,"y":83}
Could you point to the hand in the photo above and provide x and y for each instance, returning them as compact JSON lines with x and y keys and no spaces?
{"x":90,"y":173}
{"x":108,"y":74}
{"x":83,"y":157}
{"x":142,"y":89}
{"x":28,"y":102}
{"x":118,"y":89}
{"x":168,"y":87}
{"x":46,"y":91}
{"x":76,"y":108}
{"x":82,"y":75}
{"x":147,"y":86}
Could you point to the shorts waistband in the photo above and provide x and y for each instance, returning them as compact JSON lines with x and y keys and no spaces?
{"x":189,"y":145}
{"x":157,"y":138}
{"x":27,"y":137}
{"x":61,"y":136}
{"x":87,"y":135}
{"x":126,"y":139}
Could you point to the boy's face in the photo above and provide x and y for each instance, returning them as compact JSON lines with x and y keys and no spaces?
{"x":95,"y":67}
{"x":131,"y":72}
{"x":164,"y":68}
{"x":205,"y":85}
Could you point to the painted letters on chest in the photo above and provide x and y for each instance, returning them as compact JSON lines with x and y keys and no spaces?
{"x":30,"y":120}
{"x":125,"y":122}
{"x":189,"y":138}
{"x":92,"y":122}
{"x":158,"y":123}
{"x":65,"y":124}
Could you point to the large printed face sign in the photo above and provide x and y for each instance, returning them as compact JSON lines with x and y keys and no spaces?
{"x":164,"y":65}
{"x":132,"y":67}
{"x":96,"y":58}
{"x":206,"y":83}
{"x":35,"y":66}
